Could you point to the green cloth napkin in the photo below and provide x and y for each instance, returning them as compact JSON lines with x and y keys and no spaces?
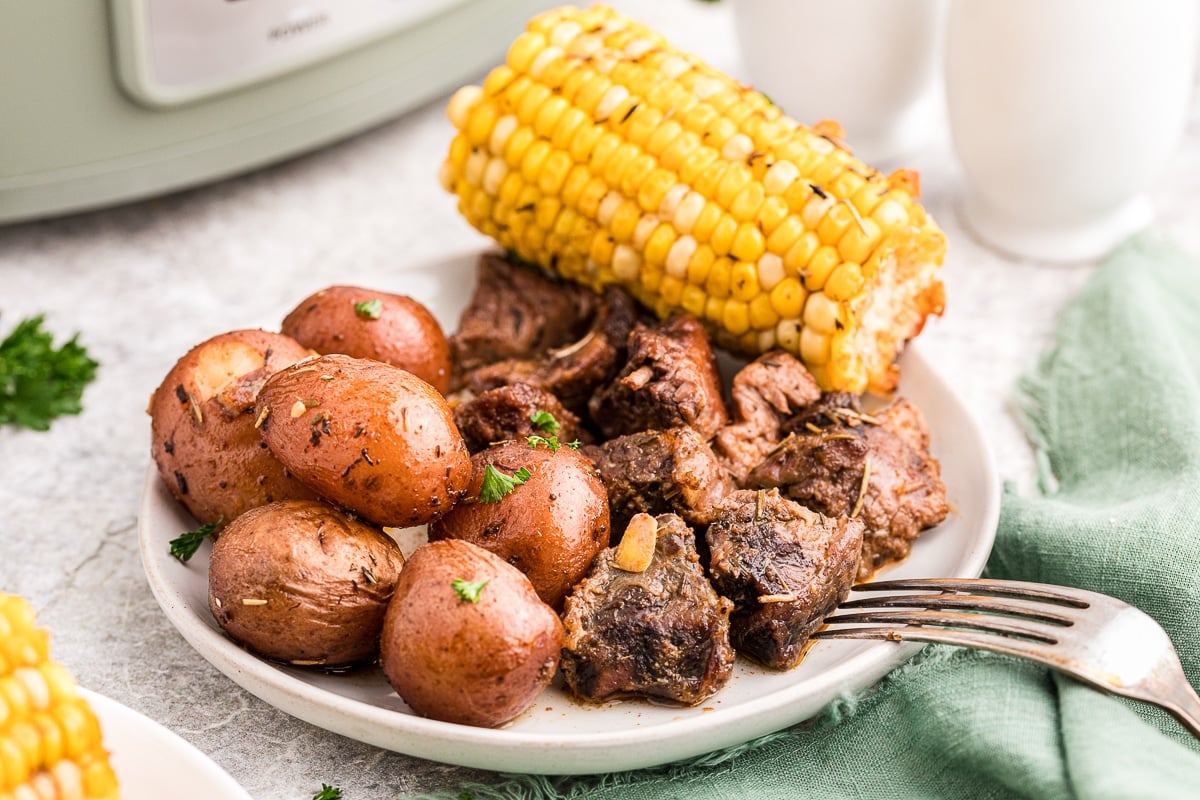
{"x":1114,"y":412}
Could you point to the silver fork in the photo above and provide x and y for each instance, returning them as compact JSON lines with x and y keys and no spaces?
{"x":1095,"y":638}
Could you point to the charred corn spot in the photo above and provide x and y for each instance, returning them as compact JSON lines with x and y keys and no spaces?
{"x":647,"y":168}
{"x":50,"y":741}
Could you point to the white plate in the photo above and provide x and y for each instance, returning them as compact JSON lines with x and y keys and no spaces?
{"x":557,"y":736}
{"x":149,"y":759}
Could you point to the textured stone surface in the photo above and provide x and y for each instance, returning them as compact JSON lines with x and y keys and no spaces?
{"x":143,"y":283}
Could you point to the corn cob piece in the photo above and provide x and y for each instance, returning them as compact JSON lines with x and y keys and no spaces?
{"x":603,"y":154}
{"x":50,"y":741}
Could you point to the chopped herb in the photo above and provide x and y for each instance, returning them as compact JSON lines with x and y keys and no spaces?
{"x":369,"y":309}
{"x":185,"y":546}
{"x":544,"y":421}
{"x":767,"y":97}
{"x":550,"y":442}
{"x":37,"y":382}
{"x":465,"y":795}
{"x":574,"y":445}
{"x":468,"y":590}
{"x":328,"y":793}
{"x":496,"y":484}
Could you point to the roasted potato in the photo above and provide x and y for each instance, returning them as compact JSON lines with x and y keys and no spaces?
{"x":466,"y":638}
{"x":302,"y":582}
{"x":202,"y":426}
{"x":550,"y":527}
{"x":385,"y":327}
{"x":369,"y":436}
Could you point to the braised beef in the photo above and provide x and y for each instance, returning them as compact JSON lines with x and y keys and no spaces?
{"x":874,"y":467}
{"x":765,"y":392}
{"x":660,"y":471}
{"x":506,"y":412}
{"x":785,"y":567}
{"x":661,"y":634}
{"x":669,"y":379}
{"x":574,"y":371}
{"x":517,"y":311}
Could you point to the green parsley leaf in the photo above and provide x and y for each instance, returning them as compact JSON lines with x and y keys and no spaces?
{"x":328,"y":793}
{"x":496,"y":484}
{"x":37,"y":382}
{"x":468,"y":590}
{"x":535,"y":440}
{"x":574,"y":445}
{"x":185,"y":546}
{"x":544,"y":421}
{"x":369,"y":309}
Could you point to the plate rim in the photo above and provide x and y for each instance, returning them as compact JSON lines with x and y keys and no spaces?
{"x":558,"y":753}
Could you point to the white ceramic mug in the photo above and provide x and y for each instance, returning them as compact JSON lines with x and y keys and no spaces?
{"x":869,"y":64}
{"x":1062,"y":113}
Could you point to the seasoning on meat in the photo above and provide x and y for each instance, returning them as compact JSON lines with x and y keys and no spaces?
{"x":785,"y":568}
{"x":765,"y":392}
{"x":874,"y":467}
{"x":658,"y":472}
{"x":660,"y":634}
{"x":670,"y":379}
{"x":504,"y":413}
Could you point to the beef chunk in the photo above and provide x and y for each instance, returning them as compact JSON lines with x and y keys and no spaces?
{"x":574,"y":371}
{"x":785,"y":568}
{"x":661,"y":634}
{"x":518,"y":312}
{"x":765,"y":392}
{"x":660,"y":471}
{"x":875,"y":467}
{"x":505,"y":413}
{"x":670,"y":379}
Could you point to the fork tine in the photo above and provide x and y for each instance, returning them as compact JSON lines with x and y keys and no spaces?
{"x":1024,"y":589}
{"x":983,"y":641}
{"x":1000,"y":605}
{"x":1008,"y":626}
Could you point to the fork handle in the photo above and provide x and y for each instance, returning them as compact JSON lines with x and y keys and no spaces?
{"x":1185,"y":707}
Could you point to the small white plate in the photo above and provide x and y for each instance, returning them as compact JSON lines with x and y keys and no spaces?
{"x":556,"y":735}
{"x":151,"y":762}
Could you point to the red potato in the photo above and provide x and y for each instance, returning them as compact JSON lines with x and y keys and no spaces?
{"x":303,"y":582}
{"x":368,"y":436}
{"x":550,"y":527}
{"x":466,"y":638}
{"x":392,"y":328}
{"x":202,"y":432}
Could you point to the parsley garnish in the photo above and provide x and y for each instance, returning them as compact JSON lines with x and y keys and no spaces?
{"x":535,"y":440}
{"x":496,"y":484}
{"x":37,"y":382}
{"x":468,"y":590}
{"x":544,"y":421}
{"x":185,"y":546}
{"x":369,"y":309}
{"x":328,"y":793}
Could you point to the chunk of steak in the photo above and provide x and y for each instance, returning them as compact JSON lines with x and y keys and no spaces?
{"x":658,"y":472}
{"x":765,"y":392}
{"x":518,"y":312}
{"x":506,"y":413}
{"x":669,"y":379}
{"x":875,"y":467}
{"x":785,"y":567}
{"x":661,"y":634}
{"x":574,"y":371}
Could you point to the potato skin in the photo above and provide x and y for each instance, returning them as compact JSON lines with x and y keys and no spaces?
{"x":480,"y":663}
{"x":202,"y":433}
{"x":325,"y":577}
{"x":405,"y":334}
{"x":551,"y":527}
{"x":368,"y":436}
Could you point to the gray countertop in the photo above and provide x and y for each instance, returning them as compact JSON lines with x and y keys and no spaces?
{"x":143,"y":283}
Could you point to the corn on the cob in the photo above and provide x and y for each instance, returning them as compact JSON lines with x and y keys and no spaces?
{"x":50,"y":741}
{"x":600,"y":152}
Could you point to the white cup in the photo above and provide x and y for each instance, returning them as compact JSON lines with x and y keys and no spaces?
{"x":1062,"y":113}
{"x":869,"y":64}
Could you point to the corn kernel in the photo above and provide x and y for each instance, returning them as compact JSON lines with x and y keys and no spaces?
{"x":625,"y":220}
{"x":593,"y":193}
{"x":626,"y":263}
{"x":748,"y":243}
{"x":636,"y":173}
{"x":734,"y":179}
{"x":836,"y":222}
{"x":531,"y":103}
{"x":814,"y":346}
{"x":654,"y":190}
{"x":689,"y":212}
{"x":699,"y":265}
{"x":690,"y":160}
{"x":670,"y":290}
{"x":780,"y":177}
{"x":672,"y":199}
{"x":745,"y":205}
{"x":524,"y":50}
{"x":693,"y":299}
{"x":719,"y":278}
{"x":714,"y":309}
{"x":787,"y":298}
{"x":723,"y":233}
{"x":659,"y":245}
{"x":679,"y":256}
{"x":762,"y":314}
{"x":620,"y":161}
{"x":845,"y":282}
{"x":744,"y":281}
{"x":709,"y":178}
{"x":859,"y":241}
{"x":770,"y":271}
{"x":461,"y":103}
{"x":819,"y":266}
{"x":641,"y":232}
{"x":736,"y":317}
{"x":790,"y":231}
{"x":821,"y":313}
{"x":574,"y":184}
{"x":787,"y":335}
{"x":796,"y":259}
{"x":771,"y":214}
{"x":663,"y":137}
{"x":707,"y":221}
{"x":520,"y":141}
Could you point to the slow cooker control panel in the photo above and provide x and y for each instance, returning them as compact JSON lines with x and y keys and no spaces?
{"x":171,"y":52}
